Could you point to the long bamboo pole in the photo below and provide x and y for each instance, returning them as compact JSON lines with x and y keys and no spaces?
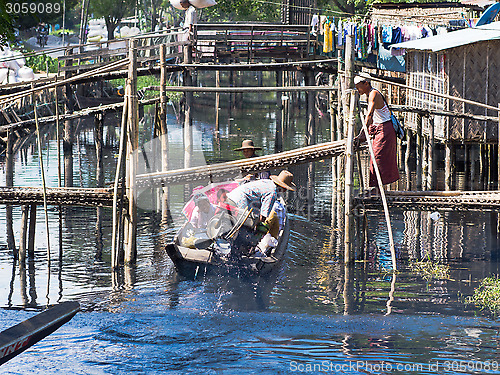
{"x":382,"y":193}
{"x":40,"y":159}
{"x":119,"y":165}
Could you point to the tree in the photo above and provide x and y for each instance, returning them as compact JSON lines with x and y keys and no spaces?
{"x":6,"y":24}
{"x":243,"y":10}
{"x":113,"y":12}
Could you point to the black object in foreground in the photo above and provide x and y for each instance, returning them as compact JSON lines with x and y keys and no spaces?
{"x":20,"y":337}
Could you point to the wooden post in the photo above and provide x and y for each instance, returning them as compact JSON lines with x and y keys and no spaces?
{"x":117,"y":234}
{"x":432,"y":159}
{"x":466,"y":166}
{"x":419,"y":152}
{"x":24,"y":232}
{"x":58,"y":134}
{"x":473,"y":167}
{"x":333,"y":137}
{"x":498,"y":151}
{"x":132,"y":146}
{"x":32,"y":231}
{"x":448,"y":165}
{"x":68,"y":128}
{"x":310,"y":127}
{"x":163,"y":128}
{"x":348,"y":195}
{"x":217,"y":101}
{"x":278,"y":140}
{"x":98,"y":138}
{"x":9,"y":182}
{"x":407,"y":160}
{"x":188,"y":121}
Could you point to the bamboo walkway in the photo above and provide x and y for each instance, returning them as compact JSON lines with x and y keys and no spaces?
{"x":231,"y":169}
{"x":435,"y":200}
{"x":99,"y":197}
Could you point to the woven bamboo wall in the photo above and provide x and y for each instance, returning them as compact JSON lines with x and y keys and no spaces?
{"x":470,"y":72}
{"x":427,"y":71}
{"x":474,"y":75}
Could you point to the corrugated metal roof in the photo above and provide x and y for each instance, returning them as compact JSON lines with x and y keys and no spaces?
{"x":480,"y":3}
{"x":453,"y":39}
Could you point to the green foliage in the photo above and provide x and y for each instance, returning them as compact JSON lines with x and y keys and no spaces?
{"x":430,"y":269}
{"x":39,"y":63}
{"x":6,"y":24}
{"x":242,"y":10}
{"x":147,"y":81}
{"x":113,"y":12}
{"x":487,"y":295}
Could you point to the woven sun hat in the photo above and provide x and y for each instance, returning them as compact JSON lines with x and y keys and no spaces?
{"x":247,"y":144}
{"x":284,"y":179}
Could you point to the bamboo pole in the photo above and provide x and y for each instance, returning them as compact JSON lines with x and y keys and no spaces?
{"x":118,"y":206}
{"x":407,"y":159}
{"x":448,"y":166}
{"x":9,"y":182}
{"x":419,"y":157}
{"x":98,"y":138}
{"x":217,"y":101}
{"x":498,"y":151}
{"x":432,"y":158}
{"x":188,"y":121}
{"x":40,"y":159}
{"x":382,"y":194}
{"x":164,"y":130}
{"x":23,"y":234}
{"x":348,"y":195}
{"x":58,"y":133}
{"x":133,"y":144}
{"x":32,"y":231}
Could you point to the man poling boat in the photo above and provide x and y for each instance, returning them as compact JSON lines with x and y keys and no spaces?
{"x":248,"y":232}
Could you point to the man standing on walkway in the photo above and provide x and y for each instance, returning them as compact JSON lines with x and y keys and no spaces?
{"x":381,"y":130}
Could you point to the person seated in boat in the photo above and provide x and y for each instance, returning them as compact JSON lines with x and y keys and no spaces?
{"x":203,"y":211}
{"x":248,"y":149}
{"x":261,"y":194}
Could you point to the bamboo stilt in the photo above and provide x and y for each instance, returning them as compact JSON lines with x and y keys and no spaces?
{"x":40,"y":159}
{"x":23,"y":234}
{"x":132,"y":146}
{"x":9,"y":182}
{"x":118,"y":204}
{"x":432,"y":159}
{"x":98,"y":138}
{"x":32,"y":231}
{"x":419,"y":158}
{"x":348,"y":195}
{"x":407,"y":160}
{"x":448,"y":166}
{"x":164,"y":130}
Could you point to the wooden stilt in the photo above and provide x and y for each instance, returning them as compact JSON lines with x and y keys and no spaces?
{"x":132,"y":146}
{"x":24,"y":233}
{"x":432,"y":159}
{"x":448,"y":166}
{"x":278,"y":140}
{"x":164,"y":130}
{"x":217,"y":101}
{"x":98,"y":138}
{"x":311,"y":125}
{"x":68,"y":127}
{"x":498,"y":150}
{"x":419,"y":153}
{"x":466,"y":166}
{"x":9,"y":182}
{"x":473,"y":157}
{"x":31,"y":233}
{"x":349,"y":148}
{"x":407,"y":160}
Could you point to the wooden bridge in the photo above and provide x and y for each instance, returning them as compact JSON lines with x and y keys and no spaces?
{"x":57,"y":196}
{"x":435,"y":200}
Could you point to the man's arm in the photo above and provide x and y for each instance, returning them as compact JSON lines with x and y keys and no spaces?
{"x":369,"y":117}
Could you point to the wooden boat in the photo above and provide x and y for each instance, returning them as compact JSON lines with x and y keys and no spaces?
{"x":199,"y":253}
{"x":20,"y":337}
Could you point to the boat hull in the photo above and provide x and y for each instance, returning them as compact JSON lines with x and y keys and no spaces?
{"x":20,"y":337}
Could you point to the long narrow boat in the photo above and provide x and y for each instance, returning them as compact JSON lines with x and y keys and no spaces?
{"x":199,"y":254}
{"x":20,"y":337}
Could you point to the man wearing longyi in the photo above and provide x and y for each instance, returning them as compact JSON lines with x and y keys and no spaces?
{"x":381,"y":129}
